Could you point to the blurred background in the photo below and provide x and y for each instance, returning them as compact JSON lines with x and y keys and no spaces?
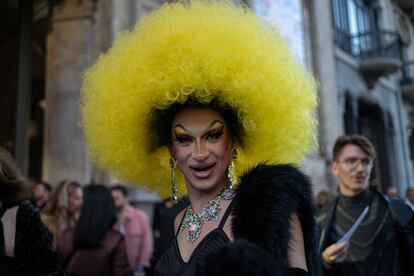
{"x":361,"y":51}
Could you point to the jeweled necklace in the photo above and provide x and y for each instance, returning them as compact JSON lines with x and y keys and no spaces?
{"x":210,"y":211}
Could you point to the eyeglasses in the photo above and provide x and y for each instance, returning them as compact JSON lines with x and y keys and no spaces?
{"x":352,"y":163}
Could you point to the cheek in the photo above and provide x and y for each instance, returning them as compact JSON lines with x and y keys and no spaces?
{"x":179,"y":152}
{"x":221,"y":151}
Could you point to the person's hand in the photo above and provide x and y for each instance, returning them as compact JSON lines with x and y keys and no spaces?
{"x":335,"y":253}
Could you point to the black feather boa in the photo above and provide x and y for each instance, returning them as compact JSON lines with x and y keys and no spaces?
{"x":266,"y":198}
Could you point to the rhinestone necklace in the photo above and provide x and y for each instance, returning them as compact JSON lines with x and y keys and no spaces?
{"x":210,"y":211}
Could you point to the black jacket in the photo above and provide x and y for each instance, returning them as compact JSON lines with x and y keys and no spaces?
{"x":402,"y":216}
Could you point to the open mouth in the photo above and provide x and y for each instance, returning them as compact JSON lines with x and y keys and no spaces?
{"x":203,"y":171}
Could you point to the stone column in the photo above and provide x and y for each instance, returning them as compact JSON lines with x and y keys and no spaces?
{"x":24,"y":86}
{"x":323,"y":53}
{"x":331,"y":123}
{"x":69,"y":52}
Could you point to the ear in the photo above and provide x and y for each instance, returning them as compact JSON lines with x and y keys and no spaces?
{"x":335,"y":168}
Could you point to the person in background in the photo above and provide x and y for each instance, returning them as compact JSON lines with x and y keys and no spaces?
{"x":383,"y":243}
{"x":409,"y":194}
{"x":93,"y":247}
{"x":25,"y":244}
{"x":134,"y":225}
{"x":392,"y":192}
{"x":63,"y":209}
{"x":40,"y":194}
{"x":323,"y":198}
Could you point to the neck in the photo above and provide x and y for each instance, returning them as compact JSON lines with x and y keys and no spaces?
{"x":361,"y":198}
{"x":40,"y":202}
{"x":199,"y":199}
{"x":343,"y":190}
{"x":123,"y":213}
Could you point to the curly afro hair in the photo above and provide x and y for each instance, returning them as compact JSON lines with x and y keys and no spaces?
{"x":203,"y":50}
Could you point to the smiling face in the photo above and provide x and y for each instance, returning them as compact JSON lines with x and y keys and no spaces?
{"x":201,"y":143}
{"x":353,"y":168}
{"x":75,"y":200}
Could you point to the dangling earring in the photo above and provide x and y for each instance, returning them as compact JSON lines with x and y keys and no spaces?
{"x":231,"y":172}
{"x":173,"y":165}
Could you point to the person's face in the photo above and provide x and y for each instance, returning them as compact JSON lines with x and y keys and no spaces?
{"x":75,"y":200}
{"x":392,"y":192}
{"x":353,"y":168}
{"x":119,"y":199}
{"x":201,"y":143}
{"x":39,"y":192}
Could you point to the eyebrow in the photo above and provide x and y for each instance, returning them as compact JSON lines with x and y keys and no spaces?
{"x":208,"y":128}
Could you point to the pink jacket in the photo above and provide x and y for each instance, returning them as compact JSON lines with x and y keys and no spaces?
{"x":138,"y":238}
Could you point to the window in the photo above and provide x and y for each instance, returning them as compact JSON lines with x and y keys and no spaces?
{"x":351,"y":18}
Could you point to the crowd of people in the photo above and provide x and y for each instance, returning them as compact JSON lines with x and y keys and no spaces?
{"x":71,"y":229}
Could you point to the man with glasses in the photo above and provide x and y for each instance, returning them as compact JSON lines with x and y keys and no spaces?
{"x":382,"y":244}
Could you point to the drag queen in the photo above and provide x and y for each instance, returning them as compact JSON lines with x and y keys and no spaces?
{"x":205,"y":99}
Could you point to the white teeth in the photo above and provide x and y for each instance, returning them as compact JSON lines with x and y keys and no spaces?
{"x":200,"y":169}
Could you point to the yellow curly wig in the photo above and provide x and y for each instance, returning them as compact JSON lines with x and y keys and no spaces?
{"x":204,"y":50}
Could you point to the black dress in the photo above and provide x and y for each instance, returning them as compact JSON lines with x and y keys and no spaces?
{"x":266,"y":199}
{"x":171,"y":263}
{"x":33,"y":250}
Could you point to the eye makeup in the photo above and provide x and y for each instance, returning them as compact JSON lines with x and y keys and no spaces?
{"x":216,"y":131}
{"x":212,"y":132}
{"x":181,"y":136}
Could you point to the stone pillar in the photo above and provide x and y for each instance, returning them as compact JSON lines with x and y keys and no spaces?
{"x":24,"y":86}
{"x":123,"y":16}
{"x":331,"y":123}
{"x":323,"y":52}
{"x":69,"y":52}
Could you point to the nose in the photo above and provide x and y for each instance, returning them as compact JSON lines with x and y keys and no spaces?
{"x":360,"y":166}
{"x":200,"y":152}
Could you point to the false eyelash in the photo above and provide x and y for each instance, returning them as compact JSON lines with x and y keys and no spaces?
{"x":182,"y":139}
{"x":215,"y":134}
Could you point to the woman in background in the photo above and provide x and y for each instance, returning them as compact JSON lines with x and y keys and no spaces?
{"x":93,"y":247}
{"x":63,"y":209}
{"x":25,"y":244}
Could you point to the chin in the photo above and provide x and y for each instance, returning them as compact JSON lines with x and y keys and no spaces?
{"x":359,"y":187}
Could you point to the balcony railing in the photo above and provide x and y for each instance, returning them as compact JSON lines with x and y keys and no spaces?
{"x":378,"y":52}
{"x":371,"y":44}
{"x":375,"y":44}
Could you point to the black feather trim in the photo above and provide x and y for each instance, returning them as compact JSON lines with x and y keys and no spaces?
{"x":266,"y":198}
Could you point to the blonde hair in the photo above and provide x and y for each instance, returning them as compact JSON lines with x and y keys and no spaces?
{"x":56,"y":216}
{"x":202,"y":50}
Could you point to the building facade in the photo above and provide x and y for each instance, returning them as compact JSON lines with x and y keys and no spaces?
{"x":362,"y":53}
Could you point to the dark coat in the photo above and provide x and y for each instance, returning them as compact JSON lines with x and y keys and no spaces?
{"x":267,"y":197}
{"x":401,"y":215}
{"x":108,"y":260}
